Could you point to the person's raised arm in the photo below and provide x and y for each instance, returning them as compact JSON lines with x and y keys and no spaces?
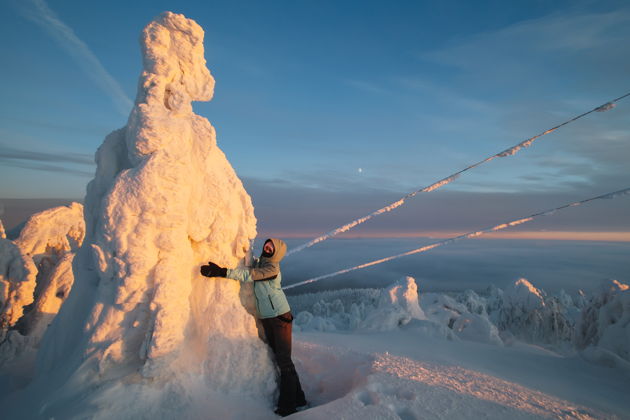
{"x":267,"y":271}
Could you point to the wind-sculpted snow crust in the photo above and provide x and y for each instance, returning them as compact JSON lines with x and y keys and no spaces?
{"x":344,"y":383}
{"x":164,"y":200}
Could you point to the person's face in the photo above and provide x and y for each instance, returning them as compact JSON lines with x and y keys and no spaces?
{"x":268,"y":248}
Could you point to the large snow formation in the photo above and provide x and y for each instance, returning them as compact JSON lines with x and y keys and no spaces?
{"x":164,"y":200}
{"x":47,"y":244}
{"x":26,"y":264}
{"x":51,"y":238}
{"x":53,"y":232}
{"x":17,"y":284}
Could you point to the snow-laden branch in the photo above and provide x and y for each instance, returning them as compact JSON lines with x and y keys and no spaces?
{"x":507,"y":152}
{"x":474,"y":234}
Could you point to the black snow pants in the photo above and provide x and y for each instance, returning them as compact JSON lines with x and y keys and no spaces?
{"x":278,"y":332}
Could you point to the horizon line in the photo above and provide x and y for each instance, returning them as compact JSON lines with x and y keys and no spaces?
{"x":596,"y":236}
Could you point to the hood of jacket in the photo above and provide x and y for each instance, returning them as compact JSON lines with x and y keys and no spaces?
{"x":280,"y":249}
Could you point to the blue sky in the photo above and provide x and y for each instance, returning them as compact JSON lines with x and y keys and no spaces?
{"x":309,"y":92}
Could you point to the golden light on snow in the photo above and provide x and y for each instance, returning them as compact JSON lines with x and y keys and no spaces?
{"x":481,"y":386}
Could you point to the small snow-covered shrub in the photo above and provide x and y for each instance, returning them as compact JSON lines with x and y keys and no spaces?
{"x":397,"y":305}
{"x":475,"y":327}
{"x":307,"y":301}
{"x":350,"y":309}
{"x":474,"y":303}
{"x":332,"y":310}
{"x":442,"y":308}
{"x":465,"y":315}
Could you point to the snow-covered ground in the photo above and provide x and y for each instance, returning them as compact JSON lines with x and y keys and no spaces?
{"x":395,"y":353}
{"x":519,"y":353}
{"x":409,"y":375}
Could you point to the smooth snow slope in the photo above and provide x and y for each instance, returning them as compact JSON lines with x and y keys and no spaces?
{"x":405,"y":374}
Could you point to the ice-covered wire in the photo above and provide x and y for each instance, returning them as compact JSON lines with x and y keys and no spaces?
{"x":465,"y":236}
{"x":507,"y":152}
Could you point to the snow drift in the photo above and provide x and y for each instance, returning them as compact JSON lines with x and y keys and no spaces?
{"x":164,"y":200}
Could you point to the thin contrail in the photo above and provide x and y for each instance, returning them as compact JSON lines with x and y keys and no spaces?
{"x":39,"y":12}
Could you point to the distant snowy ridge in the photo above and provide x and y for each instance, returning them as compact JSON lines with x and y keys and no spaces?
{"x":598,"y":326}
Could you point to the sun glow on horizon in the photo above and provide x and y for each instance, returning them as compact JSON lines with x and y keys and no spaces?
{"x":533,"y":235}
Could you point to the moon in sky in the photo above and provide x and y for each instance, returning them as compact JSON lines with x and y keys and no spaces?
{"x":360,"y":170}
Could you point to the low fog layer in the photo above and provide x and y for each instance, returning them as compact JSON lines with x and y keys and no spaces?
{"x":472,"y":264}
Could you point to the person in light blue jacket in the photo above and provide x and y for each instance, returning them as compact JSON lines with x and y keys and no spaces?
{"x":274,"y":312}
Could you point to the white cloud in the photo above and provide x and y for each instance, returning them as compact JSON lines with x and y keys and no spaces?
{"x":554,"y":34}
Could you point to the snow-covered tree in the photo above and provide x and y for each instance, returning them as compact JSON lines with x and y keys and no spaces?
{"x":164,"y":200}
{"x":51,"y":238}
{"x":530,"y":315}
{"x":17,"y":284}
{"x":603,"y":331}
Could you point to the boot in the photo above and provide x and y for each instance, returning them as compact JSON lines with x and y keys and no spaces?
{"x":288,"y":388}
{"x":300,"y":398}
{"x":283,"y":412}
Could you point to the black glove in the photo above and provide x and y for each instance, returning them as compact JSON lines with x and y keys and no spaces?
{"x":213,"y":270}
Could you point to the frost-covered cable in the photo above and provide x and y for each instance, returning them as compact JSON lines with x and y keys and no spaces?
{"x":507,"y":152}
{"x":465,"y":236}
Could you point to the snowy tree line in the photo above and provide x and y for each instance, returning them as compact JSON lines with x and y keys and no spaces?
{"x":597,"y":326}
